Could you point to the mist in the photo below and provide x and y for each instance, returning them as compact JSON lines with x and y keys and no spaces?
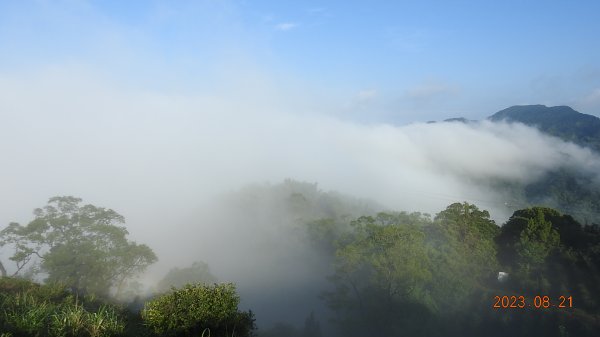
{"x":170,"y":162}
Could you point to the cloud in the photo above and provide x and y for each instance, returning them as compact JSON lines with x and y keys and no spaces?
{"x":162,"y":159}
{"x":163,"y":135}
{"x":285,"y":26}
{"x":188,"y":144}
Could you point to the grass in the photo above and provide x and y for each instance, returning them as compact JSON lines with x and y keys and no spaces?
{"x":29,"y":309}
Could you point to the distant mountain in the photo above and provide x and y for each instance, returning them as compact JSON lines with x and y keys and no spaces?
{"x":559,"y":121}
{"x":567,"y":190}
{"x":459,"y":119}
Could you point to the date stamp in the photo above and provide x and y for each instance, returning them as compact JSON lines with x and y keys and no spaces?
{"x":537,"y":302}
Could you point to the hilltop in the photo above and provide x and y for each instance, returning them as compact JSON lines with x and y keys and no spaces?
{"x":558,"y":121}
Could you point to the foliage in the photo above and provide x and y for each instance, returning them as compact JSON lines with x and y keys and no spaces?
{"x":537,"y":240}
{"x":463,"y":252}
{"x":84,"y":247}
{"x":29,"y":309}
{"x":193,"y":309}
{"x":552,"y":253}
{"x":396,"y":269}
{"x":198,"y":272}
{"x":298,"y":202}
{"x":568,"y":190}
{"x":381,"y":270}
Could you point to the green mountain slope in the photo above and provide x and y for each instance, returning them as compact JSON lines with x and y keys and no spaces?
{"x":559,"y":121}
{"x":567,"y":190}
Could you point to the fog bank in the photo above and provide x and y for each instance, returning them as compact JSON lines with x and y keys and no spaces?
{"x":165,"y":161}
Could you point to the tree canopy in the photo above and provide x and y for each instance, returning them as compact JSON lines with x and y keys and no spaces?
{"x":392,"y":270}
{"x":82,"y":246}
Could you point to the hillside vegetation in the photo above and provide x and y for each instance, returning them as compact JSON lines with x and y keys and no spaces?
{"x":392,"y":273}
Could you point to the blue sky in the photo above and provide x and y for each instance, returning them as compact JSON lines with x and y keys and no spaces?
{"x":383,"y":61}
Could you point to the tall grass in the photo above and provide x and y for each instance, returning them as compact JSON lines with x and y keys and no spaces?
{"x":51,"y":311}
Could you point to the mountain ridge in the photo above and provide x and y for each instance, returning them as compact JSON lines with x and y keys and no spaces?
{"x":564,"y":189}
{"x":560,"y":121}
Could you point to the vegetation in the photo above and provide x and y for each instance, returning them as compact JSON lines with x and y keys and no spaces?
{"x":198,"y":309}
{"x":558,"y":121}
{"x":82,"y":247}
{"x":400,"y":273}
{"x":392,"y":274}
{"x":567,"y":189}
{"x":29,"y":309}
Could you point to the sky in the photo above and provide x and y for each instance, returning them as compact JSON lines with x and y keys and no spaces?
{"x":157,"y":109}
{"x":376,"y":61}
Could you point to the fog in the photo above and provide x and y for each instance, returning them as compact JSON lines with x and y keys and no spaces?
{"x":167,"y":161}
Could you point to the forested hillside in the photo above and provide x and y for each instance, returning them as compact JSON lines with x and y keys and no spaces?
{"x":570,"y":189}
{"x":390,"y":273}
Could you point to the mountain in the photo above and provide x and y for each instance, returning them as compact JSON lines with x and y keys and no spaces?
{"x":559,"y":121}
{"x":459,"y":119}
{"x":567,"y":190}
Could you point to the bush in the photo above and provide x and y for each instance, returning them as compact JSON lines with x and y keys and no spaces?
{"x":198,"y":309}
{"x":30,"y":309}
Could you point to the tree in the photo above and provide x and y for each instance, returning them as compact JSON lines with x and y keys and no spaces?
{"x":84,"y":247}
{"x":536,"y":242}
{"x":461,"y":247}
{"x":531,"y":246}
{"x":467,"y":234}
{"x":381,"y":276}
{"x":198,"y":272}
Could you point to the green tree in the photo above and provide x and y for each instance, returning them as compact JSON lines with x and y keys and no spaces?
{"x":463,"y":253}
{"x":84,"y":247}
{"x":381,"y":276}
{"x":531,"y":239}
{"x":469,"y":233}
{"x":536,"y":242}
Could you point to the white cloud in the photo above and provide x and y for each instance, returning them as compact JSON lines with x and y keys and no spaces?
{"x":285,"y":26}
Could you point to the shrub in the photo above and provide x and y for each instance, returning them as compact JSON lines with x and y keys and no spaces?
{"x":198,"y":309}
{"x":30,"y":309}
